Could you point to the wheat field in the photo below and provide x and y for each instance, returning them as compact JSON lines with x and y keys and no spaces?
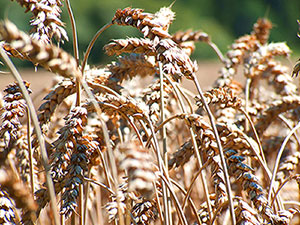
{"x":137,"y":141}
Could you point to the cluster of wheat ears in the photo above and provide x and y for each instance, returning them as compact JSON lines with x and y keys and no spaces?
{"x":107,"y":146}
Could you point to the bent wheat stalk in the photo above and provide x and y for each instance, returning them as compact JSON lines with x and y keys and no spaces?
{"x":33,"y":115}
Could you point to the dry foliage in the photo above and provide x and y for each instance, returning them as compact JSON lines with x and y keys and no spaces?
{"x":126,"y":152}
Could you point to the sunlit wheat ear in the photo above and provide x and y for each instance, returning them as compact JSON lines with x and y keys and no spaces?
{"x":130,"y":45}
{"x":151,"y":25}
{"x":111,"y":104}
{"x":138,"y":164}
{"x":203,"y":210}
{"x":175,"y":61}
{"x":238,"y":51}
{"x":23,"y":161}
{"x":17,"y":191}
{"x":66,"y":143}
{"x":288,"y":166}
{"x":240,"y":47}
{"x":7,"y":209}
{"x":112,"y":206}
{"x":287,"y":215}
{"x":257,"y":63}
{"x":296,"y":69}
{"x":52,"y":100}
{"x":206,"y":140}
{"x":153,"y":99}
{"x":12,"y":52}
{"x":225,"y":97}
{"x":14,"y":108}
{"x":49,"y":56}
{"x":218,"y":181}
{"x":144,"y":212}
{"x":186,"y":40}
{"x":261,"y":29}
{"x":189,"y":35}
{"x":45,"y":20}
{"x":282,"y":80}
{"x":275,"y":108}
{"x":245,"y":214}
{"x":129,"y":66}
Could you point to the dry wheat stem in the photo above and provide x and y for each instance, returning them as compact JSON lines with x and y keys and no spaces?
{"x":49,"y":56}
{"x":192,"y":134}
{"x":255,"y":134}
{"x":87,"y":192}
{"x":202,"y":173}
{"x":81,"y":205}
{"x":159,"y":208}
{"x":196,"y":152}
{"x":247,"y":97}
{"x":180,"y":116}
{"x":166,"y":194}
{"x":224,"y":166}
{"x":297,"y":176}
{"x":33,"y":115}
{"x":177,"y":204}
{"x":99,"y":184}
{"x":185,"y":193}
{"x":262,"y":163}
{"x":185,"y":97}
{"x":38,"y":131}
{"x":107,"y":89}
{"x":74,"y":32}
{"x":75,"y":49}
{"x":286,"y":122}
{"x":217,"y":51}
{"x":277,"y":161}
{"x":133,"y":126}
{"x":31,"y":166}
{"x":91,"y":44}
{"x":106,"y":137}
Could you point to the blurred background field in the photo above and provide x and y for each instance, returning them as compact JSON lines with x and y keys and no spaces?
{"x":223,"y":20}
